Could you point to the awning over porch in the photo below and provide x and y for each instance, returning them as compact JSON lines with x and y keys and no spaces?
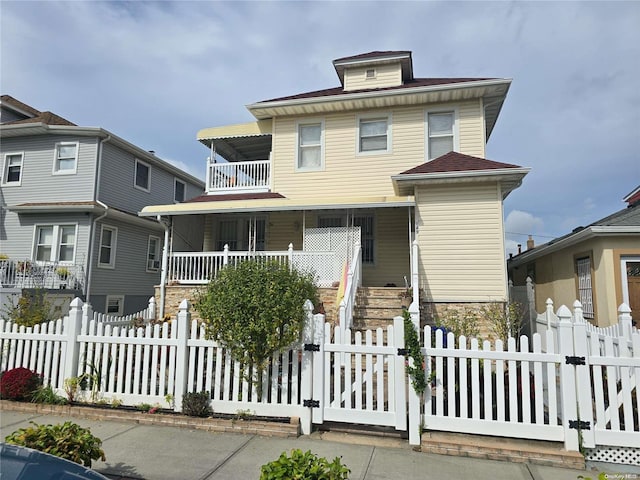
{"x":222,"y":205}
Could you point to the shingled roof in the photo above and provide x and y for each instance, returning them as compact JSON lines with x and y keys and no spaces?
{"x":457,"y":162}
{"x":48,"y":118}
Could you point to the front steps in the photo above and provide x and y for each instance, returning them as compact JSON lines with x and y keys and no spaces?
{"x":377,"y":306}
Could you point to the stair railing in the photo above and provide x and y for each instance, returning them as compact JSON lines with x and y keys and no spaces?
{"x":352,"y":283}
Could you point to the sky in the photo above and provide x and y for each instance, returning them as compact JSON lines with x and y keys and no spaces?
{"x":155,"y":73}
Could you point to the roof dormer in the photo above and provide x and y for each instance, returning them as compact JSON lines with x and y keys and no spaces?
{"x":374,"y":70}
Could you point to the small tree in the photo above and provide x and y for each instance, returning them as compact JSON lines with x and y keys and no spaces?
{"x":505,"y":320}
{"x":31,"y":309}
{"x":255,"y":309}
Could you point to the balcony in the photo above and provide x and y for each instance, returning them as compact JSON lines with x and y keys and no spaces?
{"x":239,"y":177}
{"x":32,"y":274}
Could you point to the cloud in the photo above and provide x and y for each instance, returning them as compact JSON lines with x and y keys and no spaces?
{"x":519,"y":222}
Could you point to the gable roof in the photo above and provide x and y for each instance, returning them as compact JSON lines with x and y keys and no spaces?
{"x":33,"y":115}
{"x":455,"y":167}
{"x":457,"y":162}
{"x":622,"y":222}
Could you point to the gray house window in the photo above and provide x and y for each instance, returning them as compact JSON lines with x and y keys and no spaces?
{"x":107,"y":254}
{"x":115,"y":304}
{"x":66,"y":160}
{"x":153,"y":254}
{"x":55,"y":243}
{"x":179,"y":188}
{"x":12,"y":172}
{"x":142,"y":178}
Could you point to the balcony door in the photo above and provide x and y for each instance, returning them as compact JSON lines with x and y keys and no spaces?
{"x":241,"y":233}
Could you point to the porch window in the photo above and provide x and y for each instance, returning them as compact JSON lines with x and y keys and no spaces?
{"x":12,"y":173}
{"x":365,"y":222}
{"x":310,"y":146}
{"x":66,"y":158}
{"x":440,"y":129}
{"x":241,"y":233}
{"x":227,"y":234}
{"x":55,"y":243}
{"x":585,"y":289}
{"x":153,"y":254}
{"x":373,"y":135}
{"x":107,"y":254}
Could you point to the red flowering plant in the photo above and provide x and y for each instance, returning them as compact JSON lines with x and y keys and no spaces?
{"x":19,"y":384}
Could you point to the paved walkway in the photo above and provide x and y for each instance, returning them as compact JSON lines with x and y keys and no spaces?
{"x":157,"y":452}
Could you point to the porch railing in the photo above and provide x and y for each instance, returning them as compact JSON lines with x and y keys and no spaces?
{"x":197,"y":268}
{"x":38,"y":274}
{"x":254,"y":176}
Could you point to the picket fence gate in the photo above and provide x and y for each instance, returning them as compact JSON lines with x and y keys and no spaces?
{"x":564,"y":383}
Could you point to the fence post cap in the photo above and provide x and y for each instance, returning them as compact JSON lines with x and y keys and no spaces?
{"x":549,"y":301}
{"x":76,"y":303}
{"x":577,"y":304}
{"x":308,"y":306}
{"x":290,"y":246}
{"x":184,"y":305}
{"x":564,"y":314}
{"x":624,"y":308}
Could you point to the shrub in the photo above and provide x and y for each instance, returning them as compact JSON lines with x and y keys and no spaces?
{"x":19,"y":383}
{"x":256,"y":309}
{"x":465,"y":322}
{"x":304,"y":466}
{"x":67,"y":440}
{"x":196,"y":404}
{"x":31,"y":309}
{"x":48,"y":396}
{"x":505,"y":320}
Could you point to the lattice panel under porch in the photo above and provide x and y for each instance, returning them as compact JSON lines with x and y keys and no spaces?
{"x":625,"y":455}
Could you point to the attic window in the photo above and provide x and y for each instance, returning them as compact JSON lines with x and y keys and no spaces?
{"x":371,"y":73}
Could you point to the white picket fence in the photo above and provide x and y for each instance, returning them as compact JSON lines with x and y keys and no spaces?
{"x":539,"y":389}
{"x":146,"y":314}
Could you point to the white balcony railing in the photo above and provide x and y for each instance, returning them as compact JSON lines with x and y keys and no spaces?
{"x":36,"y":274}
{"x":254,"y":176}
{"x":198,"y":268}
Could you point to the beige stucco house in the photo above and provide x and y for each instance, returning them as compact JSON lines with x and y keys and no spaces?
{"x":386,"y":160}
{"x":599,"y":265}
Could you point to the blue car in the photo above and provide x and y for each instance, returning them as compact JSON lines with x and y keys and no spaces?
{"x":21,"y":463}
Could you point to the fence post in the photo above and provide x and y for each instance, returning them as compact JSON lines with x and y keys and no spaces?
{"x":318,"y":368}
{"x":151,"y":310}
{"x":625,"y":321}
{"x":415,"y":273}
{"x":87,"y":314}
{"x":400,"y":378}
{"x":549,"y":312}
{"x":583,"y":381}
{"x":225,"y":257}
{"x":183,"y":321}
{"x":72,"y":330}
{"x":567,"y":378}
{"x":290,"y":256}
{"x":306,"y":387}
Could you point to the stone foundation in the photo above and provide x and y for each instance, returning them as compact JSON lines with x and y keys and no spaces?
{"x":432,"y":313}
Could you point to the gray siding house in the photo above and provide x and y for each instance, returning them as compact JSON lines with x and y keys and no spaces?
{"x":69,"y":203}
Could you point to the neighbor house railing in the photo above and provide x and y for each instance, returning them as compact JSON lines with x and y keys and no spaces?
{"x":198,"y":268}
{"x":37,"y":274}
{"x":254,"y":176}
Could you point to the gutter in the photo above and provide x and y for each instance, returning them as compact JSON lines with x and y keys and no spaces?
{"x":165,"y":264}
{"x":96,"y":191}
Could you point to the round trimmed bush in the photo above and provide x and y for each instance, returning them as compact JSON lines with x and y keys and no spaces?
{"x":19,"y":384}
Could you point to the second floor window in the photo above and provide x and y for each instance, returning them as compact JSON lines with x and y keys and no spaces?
{"x":310,"y":146}
{"x":66,"y":159}
{"x":440,"y":128}
{"x":179,"y":188}
{"x":12,"y":173}
{"x":373,"y":135}
{"x":107,"y":253}
{"x":142,"y":178}
{"x":55,"y":243}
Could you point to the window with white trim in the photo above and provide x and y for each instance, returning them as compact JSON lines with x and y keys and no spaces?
{"x":107,"y":252}
{"x":310,"y":149}
{"x":55,"y":243}
{"x":179,"y":189}
{"x":241,"y":233}
{"x":373,"y":135}
{"x":114,"y":304}
{"x":12,"y":171}
{"x":585,"y":288}
{"x":66,"y":160}
{"x":142,"y":178}
{"x":440,"y":134}
{"x":153,"y":254}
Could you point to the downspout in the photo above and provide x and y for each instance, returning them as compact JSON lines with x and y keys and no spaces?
{"x":96,"y":191}
{"x":165,"y":263}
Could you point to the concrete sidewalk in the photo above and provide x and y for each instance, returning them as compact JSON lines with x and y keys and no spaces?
{"x":152,"y":452}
